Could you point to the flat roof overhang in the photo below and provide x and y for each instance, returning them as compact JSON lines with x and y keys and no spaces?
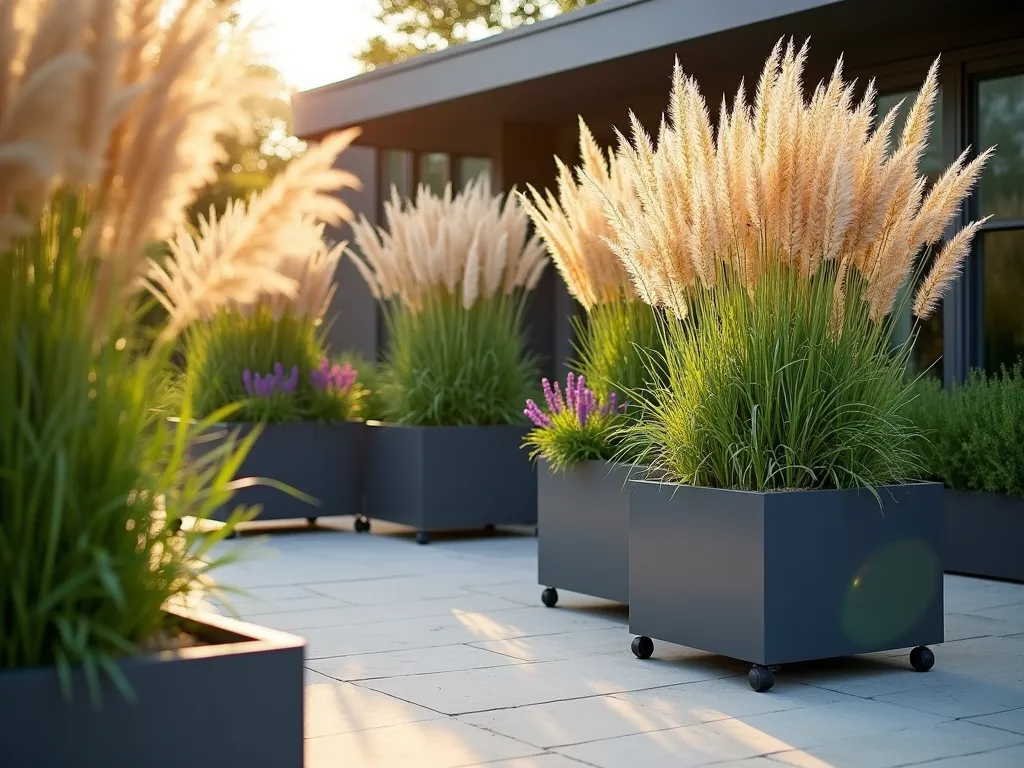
{"x":618,"y":55}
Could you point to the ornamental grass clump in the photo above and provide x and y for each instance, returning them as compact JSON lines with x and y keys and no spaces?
{"x":618,"y":330}
{"x":279,"y":324}
{"x":575,"y":426}
{"x":453,"y":274}
{"x":779,"y":245}
{"x":110,"y":113}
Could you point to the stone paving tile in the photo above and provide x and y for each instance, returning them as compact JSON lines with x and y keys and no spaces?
{"x":908,"y":747}
{"x":477,"y":690}
{"x":989,"y":695}
{"x":459,"y":627}
{"x":1011,"y":720}
{"x":419,"y":661}
{"x":333,"y":708}
{"x":430,"y":744}
{"x":453,"y":662}
{"x":351,"y":616}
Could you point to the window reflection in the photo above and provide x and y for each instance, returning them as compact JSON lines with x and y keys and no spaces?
{"x":1001,"y":121}
{"x":434,"y":171}
{"x":397,"y":173}
{"x":472,"y":167}
{"x":1003,"y":254}
{"x":927,"y":354}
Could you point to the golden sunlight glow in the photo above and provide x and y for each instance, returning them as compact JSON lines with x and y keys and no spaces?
{"x":311,"y":42}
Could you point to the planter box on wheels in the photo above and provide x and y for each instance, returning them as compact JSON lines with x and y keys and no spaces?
{"x":236,"y":701}
{"x":322,"y":460}
{"x":983,"y":535}
{"x":447,"y":478}
{"x":775,"y":578}
{"x":583,"y":530}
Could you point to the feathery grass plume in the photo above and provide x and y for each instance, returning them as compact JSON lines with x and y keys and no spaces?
{"x":574,"y":225}
{"x":452,"y":273}
{"x":804,"y":183}
{"x":267,"y":252}
{"x":468,"y":243}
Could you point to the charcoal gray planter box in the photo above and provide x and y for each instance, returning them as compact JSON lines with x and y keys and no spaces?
{"x":238,"y":701}
{"x":583,"y":530}
{"x":320,"y":459}
{"x":774,"y":578}
{"x":448,"y":478}
{"x":983,"y":535}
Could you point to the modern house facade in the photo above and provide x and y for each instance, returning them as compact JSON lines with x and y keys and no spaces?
{"x":508,"y":104}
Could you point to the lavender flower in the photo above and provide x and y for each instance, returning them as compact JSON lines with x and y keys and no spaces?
{"x":336,"y":378}
{"x":579,"y":400}
{"x":270,"y":384}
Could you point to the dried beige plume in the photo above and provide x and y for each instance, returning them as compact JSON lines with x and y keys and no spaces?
{"x":470,"y":244}
{"x":804,"y":183}
{"x":575,"y":227}
{"x":269,"y":250}
{"x":126,"y":99}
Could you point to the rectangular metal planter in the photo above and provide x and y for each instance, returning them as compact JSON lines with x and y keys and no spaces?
{"x":983,"y":535}
{"x":238,"y":701}
{"x":323,"y":460}
{"x":446,"y":478}
{"x":774,"y":578}
{"x":583,"y":529}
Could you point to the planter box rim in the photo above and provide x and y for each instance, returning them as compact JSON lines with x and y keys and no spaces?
{"x":234,"y":637}
{"x":784,"y":491}
{"x":396,"y":425}
{"x":177,"y":420}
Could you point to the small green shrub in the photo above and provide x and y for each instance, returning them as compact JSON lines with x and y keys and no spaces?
{"x":450,"y":366}
{"x":765,"y":391}
{"x":576,"y":426}
{"x":287,"y":354}
{"x":973,"y":434}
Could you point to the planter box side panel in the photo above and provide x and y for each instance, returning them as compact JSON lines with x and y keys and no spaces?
{"x":395,"y":474}
{"x":321,"y":460}
{"x":241,"y":709}
{"x":844,"y":576}
{"x":477,"y":476}
{"x":983,"y":535}
{"x":583,"y":537}
{"x":696,"y":568}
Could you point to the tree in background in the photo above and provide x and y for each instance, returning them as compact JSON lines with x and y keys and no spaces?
{"x":422,"y":26}
{"x":253,"y":161}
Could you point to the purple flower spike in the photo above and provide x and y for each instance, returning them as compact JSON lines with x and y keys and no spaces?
{"x":570,"y":391}
{"x":559,"y":401}
{"x":611,"y":406}
{"x":534,"y":414}
{"x":247,"y":382}
{"x":549,"y":395}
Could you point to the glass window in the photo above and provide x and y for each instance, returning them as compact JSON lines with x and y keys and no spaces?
{"x":927,"y":354}
{"x":1003,"y":254}
{"x":1001,"y":121}
{"x":396,"y":171}
{"x":472,"y":167}
{"x":434,"y":171}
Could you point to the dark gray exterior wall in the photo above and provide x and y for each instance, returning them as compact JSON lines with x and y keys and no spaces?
{"x":353,"y":311}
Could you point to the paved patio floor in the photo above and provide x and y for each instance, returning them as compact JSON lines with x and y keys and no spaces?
{"x":441,"y":656}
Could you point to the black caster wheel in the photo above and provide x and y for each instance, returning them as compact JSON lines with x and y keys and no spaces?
{"x":642,"y":647}
{"x":362,"y":525}
{"x":922,"y":659}
{"x":761,"y":679}
{"x":311,"y":520}
{"x":422,"y":537}
{"x":549,"y":597}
